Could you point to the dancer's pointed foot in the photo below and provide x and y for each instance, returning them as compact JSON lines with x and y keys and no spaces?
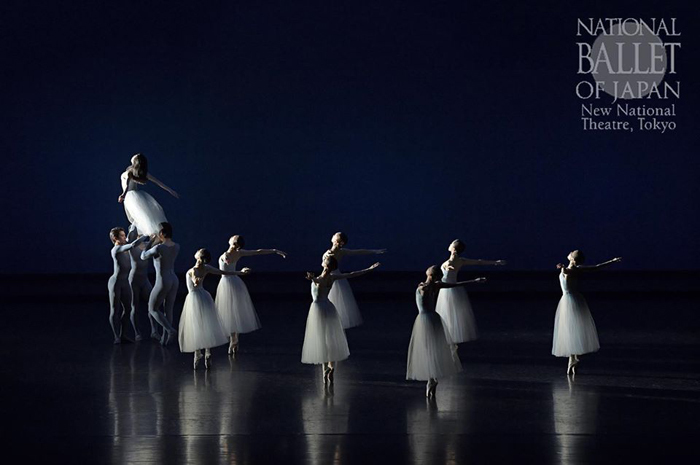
{"x":207,"y":362}
{"x":138,"y":337}
{"x":197,"y":359}
{"x":155,"y":335}
{"x":117,"y":340}
{"x":326,"y":374}
{"x":571,"y":368}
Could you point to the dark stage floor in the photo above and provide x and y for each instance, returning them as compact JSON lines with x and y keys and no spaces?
{"x":70,"y":396}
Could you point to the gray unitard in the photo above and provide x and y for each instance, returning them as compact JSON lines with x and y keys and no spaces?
{"x":165,"y":290}
{"x":119,"y":288}
{"x":141,"y":286}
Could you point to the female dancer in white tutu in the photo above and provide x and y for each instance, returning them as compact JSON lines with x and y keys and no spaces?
{"x":453,"y":304}
{"x":141,"y":286}
{"x":164,"y":252}
{"x":141,"y":209}
{"x":120,"y":297}
{"x":341,"y":293}
{"x":324,"y":339}
{"x":429,"y":353}
{"x":200,"y":327}
{"x":233,"y":303}
{"x":574,"y":329}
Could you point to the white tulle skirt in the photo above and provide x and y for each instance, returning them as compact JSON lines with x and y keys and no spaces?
{"x":200,"y":327}
{"x":456,"y":311}
{"x":574,"y":328}
{"x":324,"y":339}
{"x":143,"y":211}
{"x":342,"y":297}
{"x":430,"y":350}
{"x":235,"y":309}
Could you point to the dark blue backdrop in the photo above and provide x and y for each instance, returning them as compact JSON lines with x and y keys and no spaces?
{"x":405,"y":126}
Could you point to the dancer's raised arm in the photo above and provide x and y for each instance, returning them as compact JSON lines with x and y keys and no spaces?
{"x":212,"y":270}
{"x":160,"y":184}
{"x":250,"y":253}
{"x":444,"y":285}
{"x":130,"y":245}
{"x":354,"y":274}
{"x":582,"y":268}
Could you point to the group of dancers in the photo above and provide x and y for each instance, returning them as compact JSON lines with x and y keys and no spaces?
{"x":445,"y":317}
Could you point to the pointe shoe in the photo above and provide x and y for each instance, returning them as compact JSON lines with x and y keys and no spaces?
{"x":197,"y":361}
{"x":207,"y":362}
{"x":138,"y":338}
{"x":571,"y":369}
{"x":330,"y":375}
{"x":117,"y":340}
{"x":326,"y":375}
{"x":155,"y":335}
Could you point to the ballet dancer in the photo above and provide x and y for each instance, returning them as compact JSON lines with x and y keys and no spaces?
{"x":164,"y":252}
{"x":233,"y":303}
{"x":324,"y":339}
{"x":574,"y":329}
{"x":118,"y":285}
{"x":200,"y":326}
{"x":341,"y":294}
{"x":430,"y":354}
{"x":141,"y":286}
{"x":141,"y":208}
{"x":453,"y":303}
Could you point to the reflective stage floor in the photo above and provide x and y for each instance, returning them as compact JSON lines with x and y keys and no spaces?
{"x":70,"y":396}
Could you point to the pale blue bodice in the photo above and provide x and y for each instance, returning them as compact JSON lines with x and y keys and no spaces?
{"x":319,"y":292}
{"x":425,"y":302}
{"x":227,"y":266}
{"x":449,"y":276}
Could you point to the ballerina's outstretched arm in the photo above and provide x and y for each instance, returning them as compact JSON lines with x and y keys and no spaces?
{"x":354,"y":274}
{"x":582,"y":268}
{"x":130,"y":245}
{"x":250,"y":253}
{"x":160,"y":184}
{"x":210,"y":269}
{"x":444,"y":285}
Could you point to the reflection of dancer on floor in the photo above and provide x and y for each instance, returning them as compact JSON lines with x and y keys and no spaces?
{"x":164,"y":252}
{"x":233,"y":303}
{"x":118,"y":285}
{"x":429,"y":353}
{"x":574,"y":329}
{"x":200,"y":326}
{"x":142,"y":210}
{"x":341,"y":293}
{"x":453,"y":304}
{"x":141,"y":286}
{"x":324,"y":339}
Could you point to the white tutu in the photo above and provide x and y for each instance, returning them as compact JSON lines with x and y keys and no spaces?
{"x":144,"y":212}
{"x":430,"y":350}
{"x":456,"y":311}
{"x":200,"y":327}
{"x":324,"y":340}
{"x":574,"y":328}
{"x":344,"y":301}
{"x":235,"y":309}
